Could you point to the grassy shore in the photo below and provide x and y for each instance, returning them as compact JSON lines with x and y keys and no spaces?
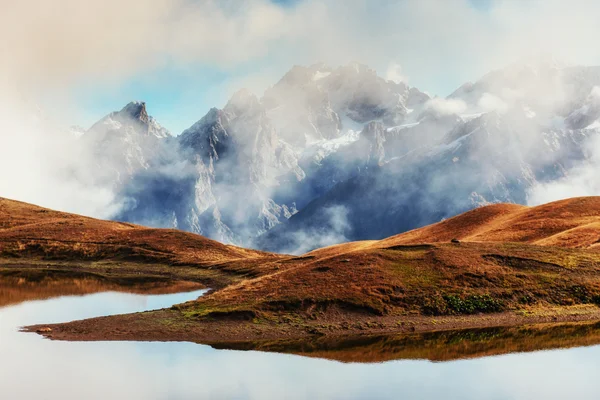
{"x":505,"y":265}
{"x":402,"y":289}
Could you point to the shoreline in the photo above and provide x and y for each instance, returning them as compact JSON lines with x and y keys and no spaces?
{"x":284,"y":332}
{"x":168,"y":325}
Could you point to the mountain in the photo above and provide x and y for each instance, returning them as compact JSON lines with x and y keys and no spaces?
{"x":317,"y":103}
{"x":125,"y":142}
{"x":329,"y":155}
{"x":572,"y":223}
{"x":244,"y":169}
{"x":472,"y":158}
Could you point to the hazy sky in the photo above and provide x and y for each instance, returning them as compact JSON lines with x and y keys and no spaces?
{"x":179,"y":95}
{"x":184,"y":56}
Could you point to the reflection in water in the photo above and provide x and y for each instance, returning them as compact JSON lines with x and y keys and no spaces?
{"x":40,"y":286}
{"x":434,"y":346}
{"x":32,"y":367}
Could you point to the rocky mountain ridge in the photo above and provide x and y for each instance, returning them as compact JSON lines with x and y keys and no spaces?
{"x":328,"y":155}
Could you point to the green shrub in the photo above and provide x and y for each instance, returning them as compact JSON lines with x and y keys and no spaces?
{"x":474,"y":304}
{"x":449,"y":304}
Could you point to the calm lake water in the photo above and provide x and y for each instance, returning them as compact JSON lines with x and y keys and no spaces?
{"x":35,"y":368}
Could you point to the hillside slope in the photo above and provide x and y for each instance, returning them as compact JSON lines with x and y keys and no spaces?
{"x":30,"y":234}
{"x":510,"y":257}
{"x":571,"y":223}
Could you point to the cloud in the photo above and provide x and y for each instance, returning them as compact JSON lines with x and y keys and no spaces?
{"x":40,"y":163}
{"x":334,"y":226}
{"x":581,"y":180}
{"x":394,"y":73}
{"x":489,"y":102}
{"x":66,"y":41}
{"x":59,"y":42}
{"x":446,"y":106}
{"x":595,"y":93}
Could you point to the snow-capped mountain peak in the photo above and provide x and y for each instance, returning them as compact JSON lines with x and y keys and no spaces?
{"x":323,"y":139}
{"x":135,"y":110}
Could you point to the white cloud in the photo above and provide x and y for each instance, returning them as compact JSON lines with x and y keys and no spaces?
{"x":42,"y":164}
{"x":443,"y":106}
{"x":489,"y":102}
{"x":333,"y":229}
{"x":581,"y":180}
{"x":65,"y":41}
{"x":394,"y":73}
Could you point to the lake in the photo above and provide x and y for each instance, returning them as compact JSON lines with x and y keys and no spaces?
{"x":35,"y":368}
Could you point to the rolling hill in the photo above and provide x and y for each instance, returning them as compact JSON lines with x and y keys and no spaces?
{"x":573,"y":223}
{"x":570,"y":223}
{"x":32,"y":236}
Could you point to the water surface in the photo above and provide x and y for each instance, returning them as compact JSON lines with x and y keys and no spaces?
{"x":33,"y":367}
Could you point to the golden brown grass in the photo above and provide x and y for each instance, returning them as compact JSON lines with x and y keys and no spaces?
{"x":436,"y":279}
{"x":566,"y":223}
{"x":28,"y":228}
{"x":30,"y":233}
{"x":509,"y":258}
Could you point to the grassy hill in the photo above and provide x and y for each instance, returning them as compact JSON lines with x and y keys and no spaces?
{"x":573,"y":223}
{"x":508,"y":256}
{"x":510,"y":265}
{"x":34,"y":237}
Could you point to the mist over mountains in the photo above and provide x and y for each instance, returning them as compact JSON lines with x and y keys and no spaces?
{"x":334,"y":154}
